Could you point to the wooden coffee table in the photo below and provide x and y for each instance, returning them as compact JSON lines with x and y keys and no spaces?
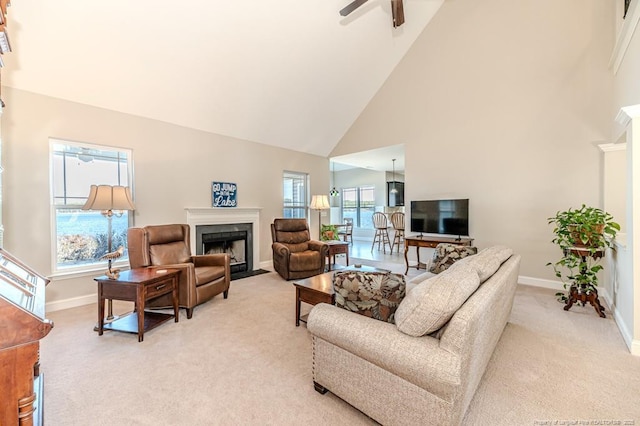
{"x":137,"y":285}
{"x":319,"y":288}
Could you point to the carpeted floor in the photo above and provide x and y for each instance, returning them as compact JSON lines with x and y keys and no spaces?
{"x":242,"y":361}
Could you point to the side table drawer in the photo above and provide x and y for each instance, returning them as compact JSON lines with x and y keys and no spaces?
{"x":339,"y":249}
{"x":158,"y":288}
{"x":313,"y":298}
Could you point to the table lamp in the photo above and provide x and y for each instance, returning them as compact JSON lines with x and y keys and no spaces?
{"x":111,"y":201}
{"x":320,"y":202}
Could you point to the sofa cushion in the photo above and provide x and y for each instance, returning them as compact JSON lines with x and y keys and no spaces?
{"x":372,"y":294}
{"x":485,"y":266}
{"x":432,"y":303}
{"x":447,"y":254}
{"x":501,"y":253}
{"x":487,"y":261}
{"x":419,"y":279}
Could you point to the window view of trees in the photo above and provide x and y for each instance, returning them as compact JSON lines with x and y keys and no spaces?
{"x":81,"y":235}
{"x":295,"y":195}
{"x":359,"y":204}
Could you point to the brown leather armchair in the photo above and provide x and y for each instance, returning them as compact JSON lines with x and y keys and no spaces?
{"x":295,"y":254}
{"x":202,"y":276}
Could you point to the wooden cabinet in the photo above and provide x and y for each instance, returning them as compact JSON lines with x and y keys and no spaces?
{"x":22,"y":325}
{"x":395,"y":199}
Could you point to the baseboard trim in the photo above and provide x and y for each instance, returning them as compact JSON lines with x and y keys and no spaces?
{"x":539,"y":282}
{"x":75,"y":302}
{"x":72,"y":302}
{"x":622,"y":326}
{"x":267,"y":264}
{"x":633,"y":345}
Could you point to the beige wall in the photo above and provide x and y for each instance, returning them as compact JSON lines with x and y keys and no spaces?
{"x":502,"y":103}
{"x":173,"y":168}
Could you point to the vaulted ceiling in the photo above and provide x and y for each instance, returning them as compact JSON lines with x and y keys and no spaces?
{"x":291,"y":73}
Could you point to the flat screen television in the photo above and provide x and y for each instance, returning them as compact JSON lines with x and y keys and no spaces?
{"x":449,"y":217}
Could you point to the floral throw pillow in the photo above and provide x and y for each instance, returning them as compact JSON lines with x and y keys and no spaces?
{"x":328,"y":233}
{"x":447,"y":254}
{"x":372,"y":294}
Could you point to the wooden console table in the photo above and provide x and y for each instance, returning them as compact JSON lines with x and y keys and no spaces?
{"x":431,"y":241}
{"x":138,"y":285}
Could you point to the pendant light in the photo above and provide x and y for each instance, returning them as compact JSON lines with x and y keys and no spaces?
{"x":334,"y":192}
{"x":394,"y":190}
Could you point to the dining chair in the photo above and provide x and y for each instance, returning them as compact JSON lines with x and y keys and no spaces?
{"x":347,"y":230}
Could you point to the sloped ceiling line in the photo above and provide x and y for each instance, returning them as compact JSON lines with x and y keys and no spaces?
{"x":245,"y":69}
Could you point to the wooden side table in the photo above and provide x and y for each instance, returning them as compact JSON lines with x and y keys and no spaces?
{"x":137,"y":285}
{"x":336,"y":247}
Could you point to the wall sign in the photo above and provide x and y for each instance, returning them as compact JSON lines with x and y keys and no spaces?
{"x":224,"y":194}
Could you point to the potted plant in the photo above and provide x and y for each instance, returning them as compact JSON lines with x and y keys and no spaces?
{"x":583,"y":235}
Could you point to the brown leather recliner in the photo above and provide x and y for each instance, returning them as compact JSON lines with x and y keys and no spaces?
{"x":202,"y":276}
{"x":295,"y":254}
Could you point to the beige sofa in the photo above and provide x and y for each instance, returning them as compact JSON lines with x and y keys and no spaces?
{"x":398,"y":376}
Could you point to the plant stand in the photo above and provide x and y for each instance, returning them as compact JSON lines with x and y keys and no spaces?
{"x":583,"y":296}
{"x":580,"y":294}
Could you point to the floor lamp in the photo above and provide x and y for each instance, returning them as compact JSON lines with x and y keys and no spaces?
{"x":320,"y":202}
{"x":111,"y":201}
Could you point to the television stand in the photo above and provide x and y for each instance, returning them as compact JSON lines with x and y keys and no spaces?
{"x":430,"y":241}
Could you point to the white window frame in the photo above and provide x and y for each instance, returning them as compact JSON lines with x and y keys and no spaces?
{"x":77,"y":203}
{"x":358,"y":221}
{"x":304,"y":207}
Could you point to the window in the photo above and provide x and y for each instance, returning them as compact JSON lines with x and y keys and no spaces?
{"x":294,"y":192}
{"x":80,"y":236}
{"x":359,"y":204}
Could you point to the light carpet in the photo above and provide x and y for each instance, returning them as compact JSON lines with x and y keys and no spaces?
{"x":242,"y":361}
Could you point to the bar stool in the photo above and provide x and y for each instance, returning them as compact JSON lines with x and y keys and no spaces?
{"x":397,"y":220}
{"x":381,"y":236}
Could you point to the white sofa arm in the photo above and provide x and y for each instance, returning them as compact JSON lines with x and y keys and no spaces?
{"x":418,"y":360}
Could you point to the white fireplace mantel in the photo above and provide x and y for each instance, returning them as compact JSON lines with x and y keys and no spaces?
{"x":220,"y":216}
